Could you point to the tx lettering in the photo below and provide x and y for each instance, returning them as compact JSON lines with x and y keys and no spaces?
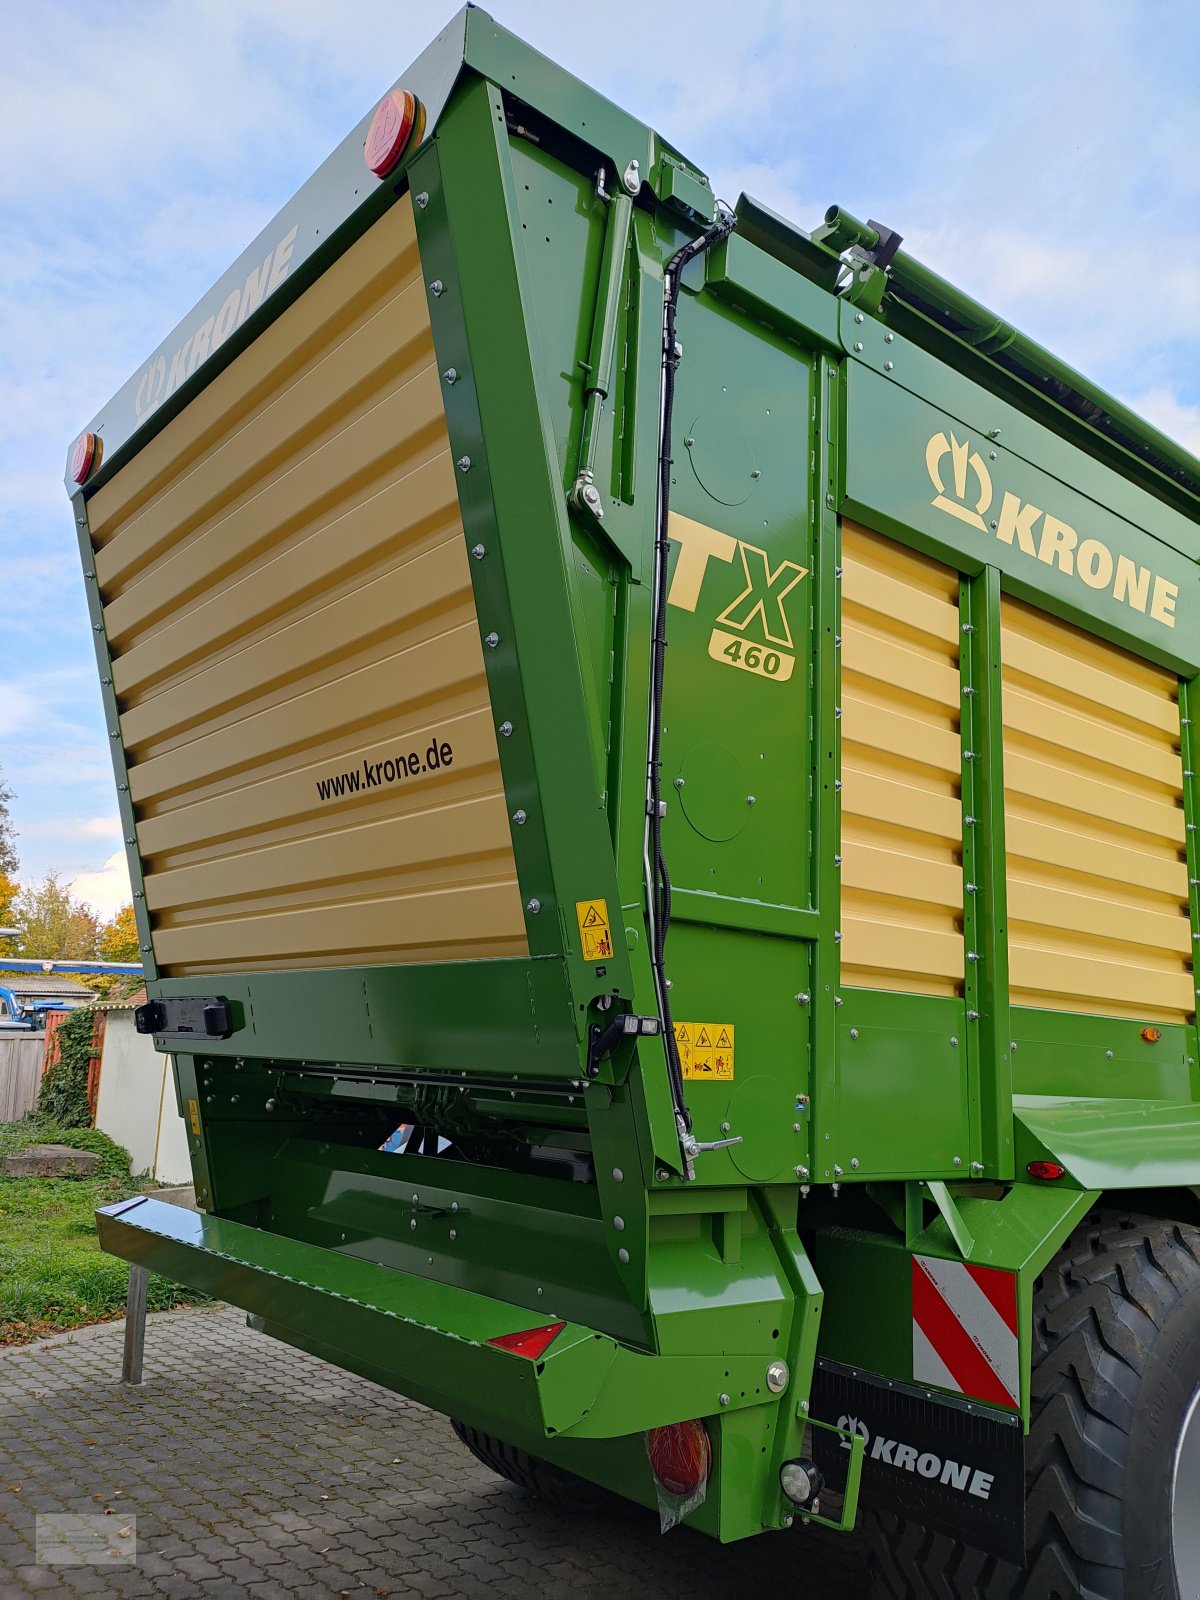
{"x":954,"y":1474}
{"x":760,"y":601}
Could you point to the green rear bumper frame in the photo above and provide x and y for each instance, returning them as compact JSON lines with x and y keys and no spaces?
{"x":428,"y":1339}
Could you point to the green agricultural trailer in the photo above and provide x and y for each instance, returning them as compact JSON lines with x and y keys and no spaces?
{"x":657,"y":751}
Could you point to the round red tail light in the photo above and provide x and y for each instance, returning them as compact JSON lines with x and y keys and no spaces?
{"x":391,"y":129}
{"x":680,"y":1456}
{"x":85,"y":454}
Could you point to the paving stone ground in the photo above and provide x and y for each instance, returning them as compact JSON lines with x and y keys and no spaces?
{"x":252,"y":1469}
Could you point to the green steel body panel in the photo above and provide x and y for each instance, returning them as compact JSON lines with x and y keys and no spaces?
{"x":854,"y":1127}
{"x":1115,"y":1144}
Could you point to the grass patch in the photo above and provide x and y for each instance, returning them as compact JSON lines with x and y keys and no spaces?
{"x":53,"y":1273}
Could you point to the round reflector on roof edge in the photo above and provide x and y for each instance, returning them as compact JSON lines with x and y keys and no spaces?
{"x":85,"y":454}
{"x":390,"y":131}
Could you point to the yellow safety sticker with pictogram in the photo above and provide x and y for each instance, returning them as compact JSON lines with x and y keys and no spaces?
{"x":595,"y":935}
{"x":705,"y":1049}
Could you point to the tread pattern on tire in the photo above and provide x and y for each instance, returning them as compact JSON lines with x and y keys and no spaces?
{"x":1098,"y":1307}
{"x":528,"y":1472}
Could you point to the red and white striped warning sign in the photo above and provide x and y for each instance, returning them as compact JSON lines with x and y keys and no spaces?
{"x":965,"y":1329}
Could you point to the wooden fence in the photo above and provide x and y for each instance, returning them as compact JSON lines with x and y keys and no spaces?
{"x":20,"y":1073}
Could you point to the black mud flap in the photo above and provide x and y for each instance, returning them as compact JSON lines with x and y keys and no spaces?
{"x":948,"y":1464}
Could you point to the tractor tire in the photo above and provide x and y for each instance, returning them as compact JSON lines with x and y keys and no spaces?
{"x":548,"y":1482}
{"x":1113,"y":1456}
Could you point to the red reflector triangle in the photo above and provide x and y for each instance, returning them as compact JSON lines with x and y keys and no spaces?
{"x":531,"y":1343}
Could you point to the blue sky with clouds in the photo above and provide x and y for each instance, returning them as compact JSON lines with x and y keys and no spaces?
{"x":1042,"y":156}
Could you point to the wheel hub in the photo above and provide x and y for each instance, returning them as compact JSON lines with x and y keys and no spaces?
{"x":1185,"y":1489}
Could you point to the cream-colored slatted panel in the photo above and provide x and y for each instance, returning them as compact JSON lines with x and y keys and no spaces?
{"x":289,"y":608}
{"x":901,"y":765}
{"x":1097,"y":881}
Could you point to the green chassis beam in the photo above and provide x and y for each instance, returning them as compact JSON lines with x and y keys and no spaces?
{"x":430,"y":1340}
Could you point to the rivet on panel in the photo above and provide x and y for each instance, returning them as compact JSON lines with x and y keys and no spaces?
{"x":479,"y":551}
{"x":437,"y":288}
{"x":422,"y":200}
{"x":519,"y":818}
{"x":491,"y":640}
{"x":464,"y":463}
{"x":506,"y":730}
{"x":450,"y":375}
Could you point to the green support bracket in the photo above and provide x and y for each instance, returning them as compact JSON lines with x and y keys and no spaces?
{"x":858,"y":1445}
{"x":952,"y":1217}
{"x":808,"y":1299}
{"x":985,"y":897}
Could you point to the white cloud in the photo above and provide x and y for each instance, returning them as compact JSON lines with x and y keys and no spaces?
{"x":1166,"y":411}
{"x":107,"y":889}
{"x":74,"y":828}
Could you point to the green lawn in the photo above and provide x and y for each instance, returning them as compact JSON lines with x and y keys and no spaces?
{"x":53,"y":1274}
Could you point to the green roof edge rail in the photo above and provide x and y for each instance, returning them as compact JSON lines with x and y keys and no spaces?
{"x":926,"y":301}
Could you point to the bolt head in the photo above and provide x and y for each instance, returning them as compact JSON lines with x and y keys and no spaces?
{"x":450,"y":375}
{"x":422,"y":200}
{"x":478,"y":551}
{"x":437,"y":288}
{"x":464,"y":463}
{"x":506,"y":730}
{"x":724,"y":1399}
{"x":519,"y":818}
{"x":777,"y":1377}
{"x":491,"y":640}
{"x":533,"y":907}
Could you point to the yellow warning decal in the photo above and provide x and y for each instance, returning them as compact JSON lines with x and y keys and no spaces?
{"x":705,"y":1049}
{"x":594,"y":933}
{"x":194,"y":1116}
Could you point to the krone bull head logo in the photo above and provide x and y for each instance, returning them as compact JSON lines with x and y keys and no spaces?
{"x":964,"y":462}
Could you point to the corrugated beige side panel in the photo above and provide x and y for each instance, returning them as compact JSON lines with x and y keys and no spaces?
{"x":901,"y":807}
{"x":311,"y":748}
{"x":1097,"y":880}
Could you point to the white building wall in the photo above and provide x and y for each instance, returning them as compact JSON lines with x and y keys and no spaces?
{"x":136,"y":1102}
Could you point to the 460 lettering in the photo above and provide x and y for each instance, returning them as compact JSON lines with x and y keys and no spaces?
{"x":728,"y":648}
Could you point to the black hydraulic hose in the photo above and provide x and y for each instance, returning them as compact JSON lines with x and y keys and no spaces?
{"x":660,"y":886}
